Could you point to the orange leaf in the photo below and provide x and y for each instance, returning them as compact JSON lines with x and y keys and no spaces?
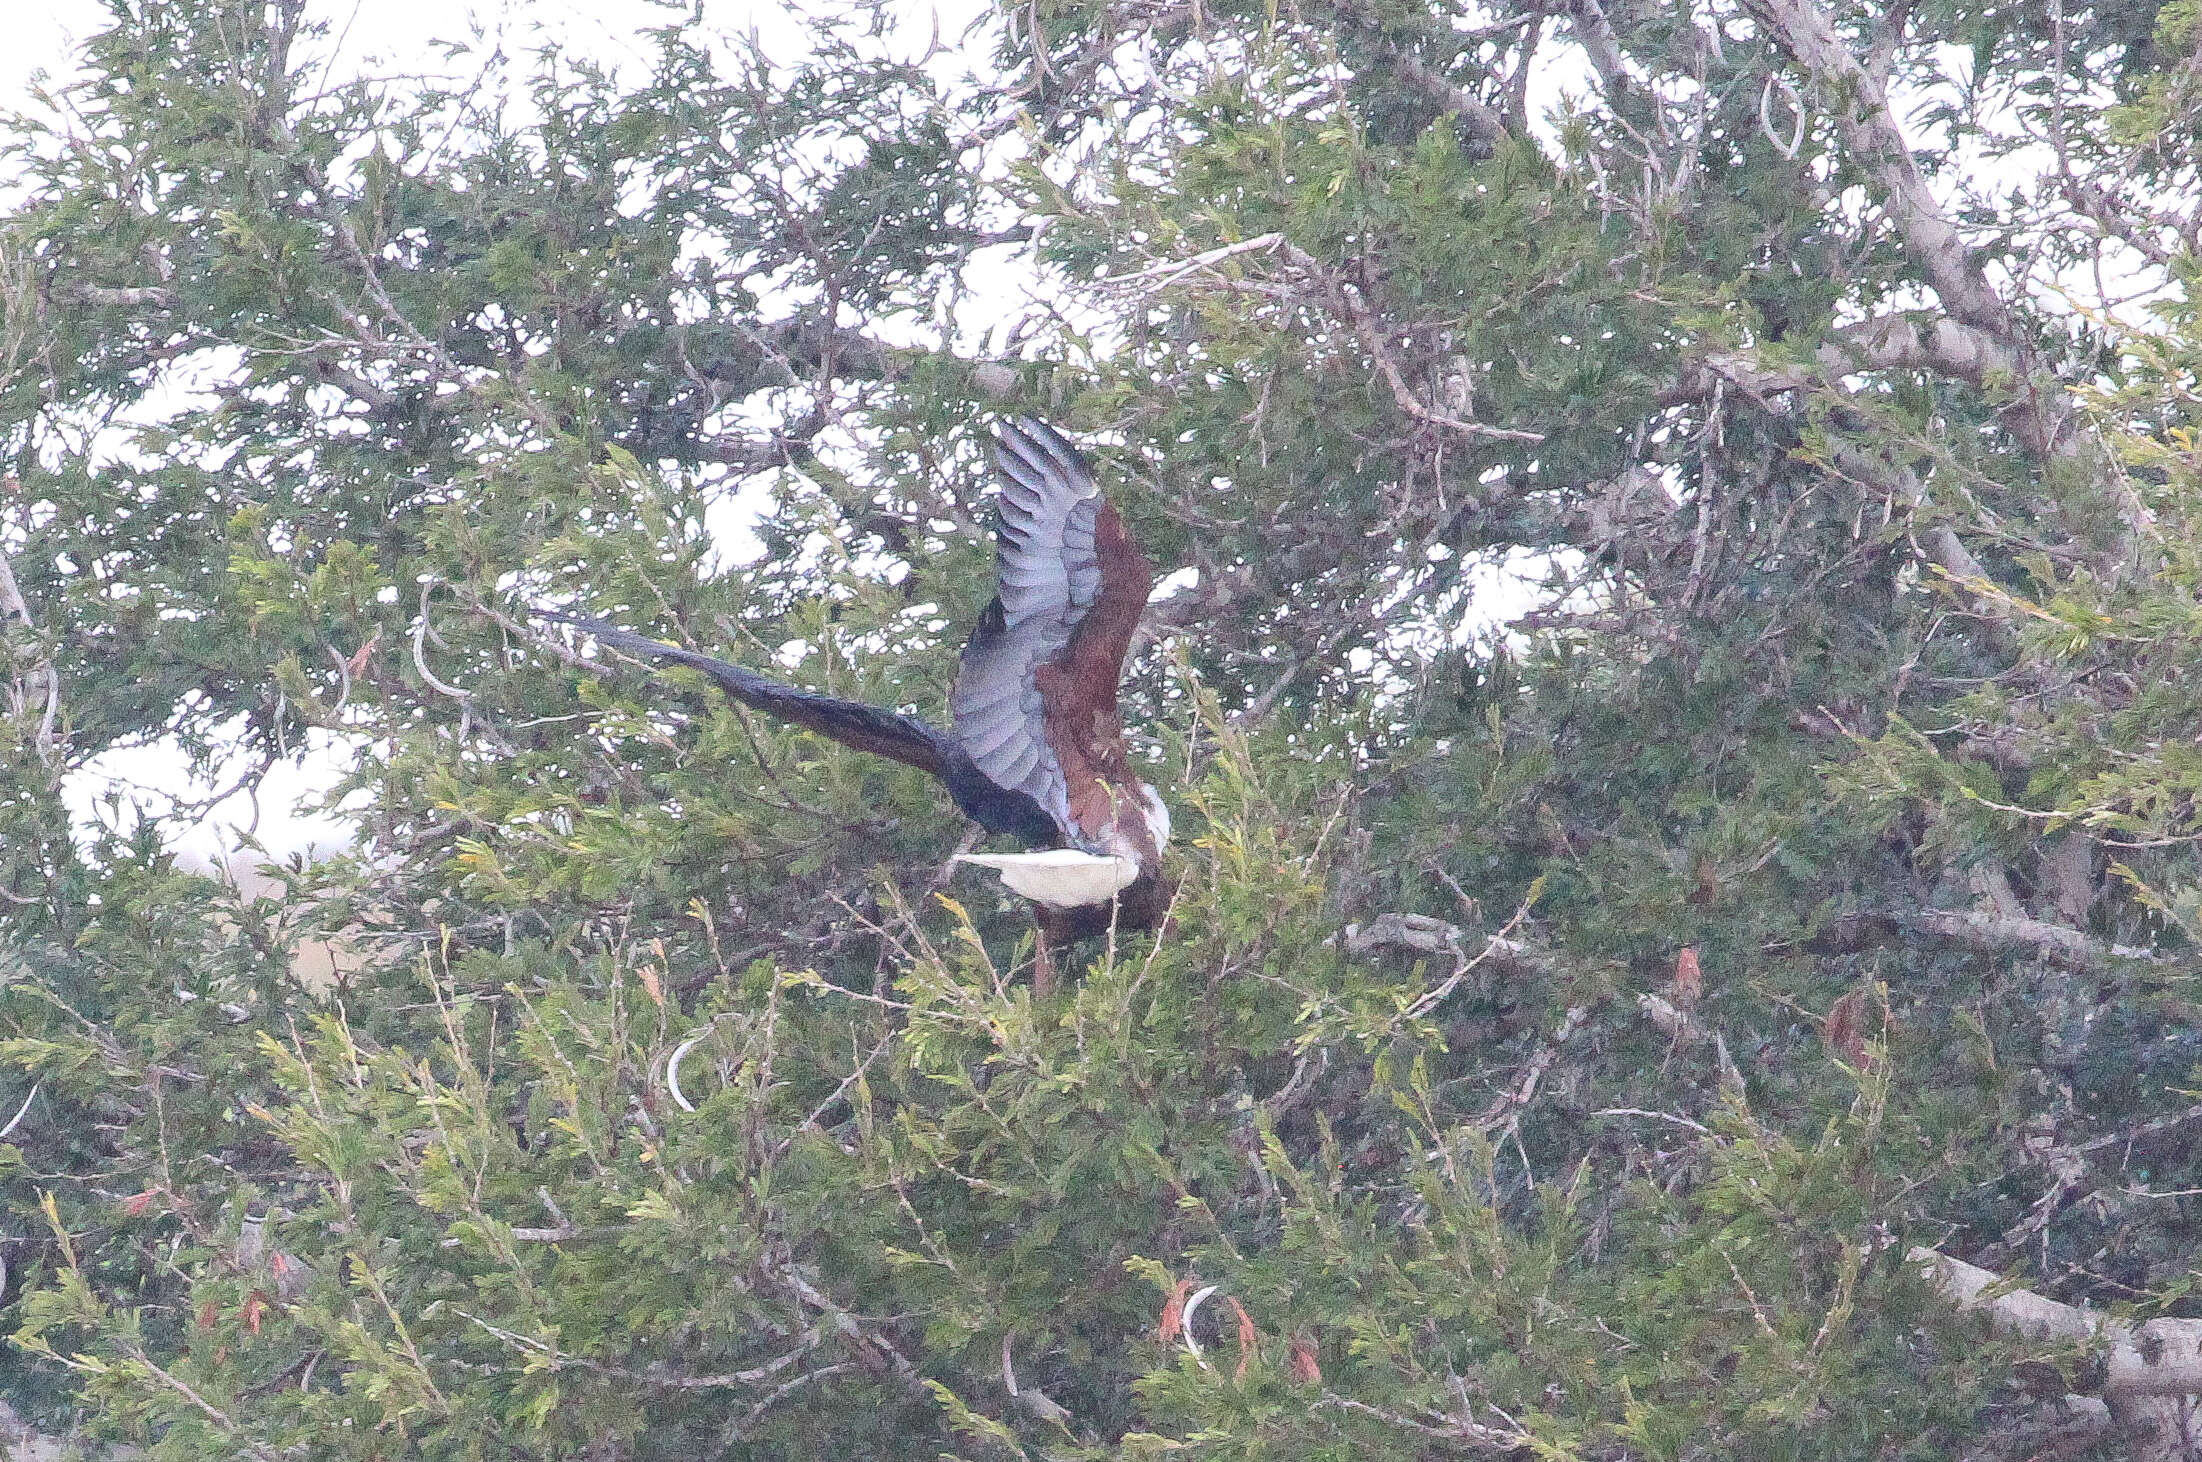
{"x":1173,"y":1313}
{"x":206,"y":1314}
{"x":1689,"y":979}
{"x":358,"y":662}
{"x":136,"y":1204}
{"x":1301,"y":1361}
{"x":256,"y":1305}
{"x":1845,"y":1031}
{"x":1248,"y":1337}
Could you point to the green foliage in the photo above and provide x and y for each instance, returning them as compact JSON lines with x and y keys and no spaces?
{"x":1564,"y":1029}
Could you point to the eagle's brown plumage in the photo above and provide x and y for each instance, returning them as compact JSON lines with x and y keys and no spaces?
{"x":1037,"y":749}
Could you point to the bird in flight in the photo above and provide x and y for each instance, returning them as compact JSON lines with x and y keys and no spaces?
{"x":1036,"y":751}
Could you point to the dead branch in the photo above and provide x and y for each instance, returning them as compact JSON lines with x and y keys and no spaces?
{"x":1857,"y":100}
{"x":2155,"y":1358}
{"x":1424,"y":935}
{"x":1341,"y":299}
{"x":1032,"y":1398}
{"x":1999,"y":933}
{"x":13,"y":610}
{"x":1685,"y":1029}
{"x":1507,"y":1107}
{"x":1435,"y":1425}
{"x":1900,"y":342}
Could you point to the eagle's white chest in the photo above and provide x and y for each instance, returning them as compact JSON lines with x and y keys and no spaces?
{"x":1061,"y":878}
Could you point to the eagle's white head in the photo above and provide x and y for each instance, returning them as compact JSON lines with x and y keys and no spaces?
{"x":1073,"y":878}
{"x":1061,"y":878}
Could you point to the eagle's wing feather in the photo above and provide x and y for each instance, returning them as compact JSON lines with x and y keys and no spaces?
{"x":852,"y":723}
{"x":1071,"y":588}
{"x":1055,"y":564}
{"x":1047,"y":580}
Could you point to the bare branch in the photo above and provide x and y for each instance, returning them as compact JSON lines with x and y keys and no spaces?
{"x":1425,"y":935}
{"x":1436,"y":1425}
{"x":126,"y":298}
{"x":1337,"y":295}
{"x":1858,"y":101}
{"x":1860,"y":106}
{"x":1594,"y":33}
{"x":14,"y":610}
{"x":1903,"y":342}
{"x":1419,"y":76}
{"x":1683,"y":1027}
{"x":1508,"y":1105}
{"x":2155,"y":1358}
{"x":1996,"y":933}
{"x":1032,"y":1398}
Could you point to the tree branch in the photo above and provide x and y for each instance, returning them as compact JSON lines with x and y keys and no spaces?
{"x":13,"y":610}
{"x":2155,"y":1358}
{"x":1436,"y":1425}
{"x":1860,"y":107}
{"x":1997,"y":933}
{"x":1419,"y":76}
{"x":1858,"y":102}
{"x":1424,"y":935}
{"x":1902,"y":342}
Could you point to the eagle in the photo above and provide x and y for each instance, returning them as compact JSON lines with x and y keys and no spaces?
{"x":1035,"y":751}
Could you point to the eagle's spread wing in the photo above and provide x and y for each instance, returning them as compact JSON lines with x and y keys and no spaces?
{"x":1071,"y":589}
{"x":1048,"y":652}
{"x":867,"y":728}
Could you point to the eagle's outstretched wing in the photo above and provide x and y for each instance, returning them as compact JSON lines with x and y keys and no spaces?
{"x":866,"y":728}
{"x":1036,"y":748}
{"x":1072,"y":587}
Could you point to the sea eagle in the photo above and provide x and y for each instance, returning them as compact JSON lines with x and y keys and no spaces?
{"x":1037,"y":751}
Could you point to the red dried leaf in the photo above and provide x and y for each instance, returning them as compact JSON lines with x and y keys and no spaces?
{"x":136,"y":1204}
{"x":1845,"y":1031}
{"x":1689,"y":979}
{"x":207,"y":1313}
{"x":1300,"y":1361}
{"x":256,"y":1305}
{"x":1249,"y":1338}
{"x":1173,"y":1313}
{"x":358,"y":663}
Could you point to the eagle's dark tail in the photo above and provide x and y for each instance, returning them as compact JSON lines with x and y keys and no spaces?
{"x":852,"y":723}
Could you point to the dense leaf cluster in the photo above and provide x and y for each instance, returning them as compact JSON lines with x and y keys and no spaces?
{"x":1676,"y":684}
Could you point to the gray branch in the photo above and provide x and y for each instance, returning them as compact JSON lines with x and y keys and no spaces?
{"x":1857,"y":100}
{"x":1419,"y":76}
{"x":1997,"y":933}
{"x":13,"y":610}
{"x":2154,"y":1358}
{"x":1421,"y":934}
{"x":1902,"y":342}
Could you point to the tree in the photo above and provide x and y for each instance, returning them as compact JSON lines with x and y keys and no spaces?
{"x":1646,"y":1027}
